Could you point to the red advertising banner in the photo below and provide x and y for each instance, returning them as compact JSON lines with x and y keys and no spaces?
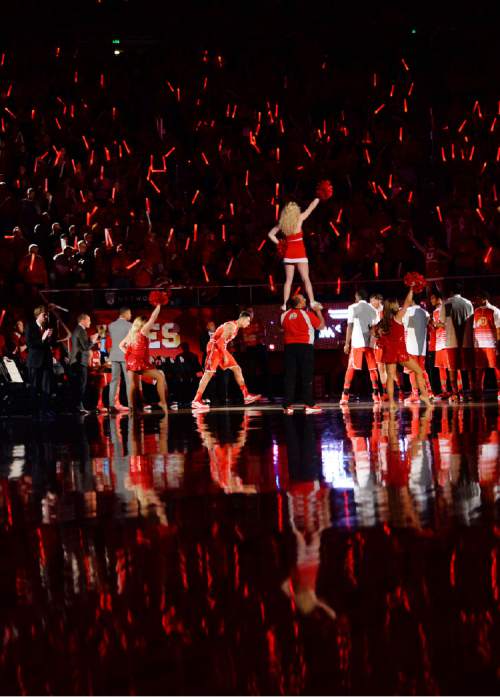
{"x":178,"y":325}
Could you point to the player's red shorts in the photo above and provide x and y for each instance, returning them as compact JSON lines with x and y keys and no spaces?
{"x":219,"y":359}
{"x":486,"y":358}
{"x":467,"y":359}
{"x":418,"y":359}
{"x":441,"y":359}
{"x":356,"y":358}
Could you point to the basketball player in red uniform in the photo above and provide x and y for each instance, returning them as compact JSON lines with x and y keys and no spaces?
{"x":486,"y":340}
{"x":219,"y":357}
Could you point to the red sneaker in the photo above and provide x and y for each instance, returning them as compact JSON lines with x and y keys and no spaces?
{"x":313,"y":410}
{"x":251,"y":398}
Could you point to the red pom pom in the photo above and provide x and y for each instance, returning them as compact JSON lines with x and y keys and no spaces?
{"x":415,"y":280}
{"x":324,"y":190}
{"x":158,"y":297}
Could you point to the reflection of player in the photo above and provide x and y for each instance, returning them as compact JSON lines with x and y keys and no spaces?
{"x":219,"y":357}
{"x":309,"y":508}
{"x":486,"y":340}
{"x":224,"y":456}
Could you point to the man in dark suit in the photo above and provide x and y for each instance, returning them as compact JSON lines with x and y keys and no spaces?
{"x":39,"y":363}
{"x":81,"y":346}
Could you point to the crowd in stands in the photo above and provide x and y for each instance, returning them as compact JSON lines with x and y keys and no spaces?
{"x":121,"y":174}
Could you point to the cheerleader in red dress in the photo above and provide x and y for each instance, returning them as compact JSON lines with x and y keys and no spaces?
{"x":290,"y":224}
{"x":136,"y":349}
{"x":391,"y":338}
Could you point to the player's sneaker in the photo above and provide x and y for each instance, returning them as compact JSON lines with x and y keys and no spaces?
{"x":414,"y":398}
{"x":251,"y":398}
{"x":376,"y":398}
{"x":313,"y":410}
{"x":199,"y":406}
{"x":344,"y":399}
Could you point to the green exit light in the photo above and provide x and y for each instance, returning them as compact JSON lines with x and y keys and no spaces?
{"x":413,"y":31}
{"x":115,"y":41}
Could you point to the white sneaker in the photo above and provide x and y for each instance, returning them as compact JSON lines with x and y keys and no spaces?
{"x":251,"y":398}
{"x":199,"y":406}
{"x":313,"y":410}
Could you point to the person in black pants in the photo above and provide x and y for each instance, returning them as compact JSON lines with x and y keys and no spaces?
{"x":299,"y":326}
{"x":39,"y":363}
{"x":81,"y":346}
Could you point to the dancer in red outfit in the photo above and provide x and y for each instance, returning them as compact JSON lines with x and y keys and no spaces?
{"x":290,"y":224}
{"x":392,"y":340}
{"x":219,"y":357}
{"x":136,"y":349}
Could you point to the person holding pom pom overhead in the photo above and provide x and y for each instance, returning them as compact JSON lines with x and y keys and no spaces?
{"x":294,"y":254}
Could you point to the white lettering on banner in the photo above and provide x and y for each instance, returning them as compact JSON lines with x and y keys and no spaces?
{"x":170,"y":334}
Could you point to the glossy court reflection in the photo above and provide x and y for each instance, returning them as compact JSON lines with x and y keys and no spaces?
{"x":245,"y":552}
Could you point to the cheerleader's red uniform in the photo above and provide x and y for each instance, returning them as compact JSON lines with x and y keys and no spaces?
{"x":137,"y":354}
{"x":295,"y":250}
{"x":217,"y":354}
{"x":393,"y":344}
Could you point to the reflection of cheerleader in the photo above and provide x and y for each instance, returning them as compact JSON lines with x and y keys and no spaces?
{"x":101,"y":374}
{"x":290,"y":224}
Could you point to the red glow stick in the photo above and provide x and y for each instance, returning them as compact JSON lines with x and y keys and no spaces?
{"x":374,"y":81}
{"x":196,"y":194}
{"x":375,"y":269}
{"x":170,"y":86}
{"x":276,"y":211}
{"x":188,"y":242}
{"x":125,"y":145}
{"x":488,"y":255}
{"x":339,"y":285}
{"x":438,"y":209}
{"x":101,"y":80}
{"x":405,"y":106}
{"x":411,"y":89}
{"x":246,"y":178}
{"x":134,"y":263}
{"x":410,"y":196}
{"x":334,"y":228}
{"x":74,"y":166}
{"x":339,"y":217}
{"x":382,"y":192}
{"x":113,"y":113}
{"x":195,"y":232}
{"x":453,"y":151}
{"x":277,"y":189}
{"x":148,"y":205}
{"x":168,"y":153}
{"x":91,"y":158}
{"x":271,"y":284}
{"x":9,"y":90}
{"x":405,"y":65}
{"x":107,"y":154}
{"x":498,"y":155}
{"x":483,"y":167}
{"x":443,"y":154}
{"x":1,"y":317}
{"x":367,"y":156}
{"x":389,"y":185}
{"x":85,"y":142}
{"x":204,"y":158}
{"x":494,"y":190}
{"x":282,"y":127}
{"x":58,"y":52}
{"x":205,"y":274}
{"x":45,"y":184}
{"x":57,"y":123}
{"x":479,"y":201}
{"x":462,"y":126}
{"x":471,"y":155}
{"x":277,"y":154}
{"x":393,"y":88}
{"x":234,"y":111}
{"x":223,"y":232}
{"x":101,"y":173}
{"x":155,"y":187}
{"x":231,"y":208}
{"x":493,"y":124}
{"x":170,"y":235}
{"x":348,"y":241}
{"x":75,"y":77}
{"x":113,"y":193}
{"x":379,"y":109}
{"x":401,"y":134}
{"x":33,"y":114}
{"x":481,"y":216}
{"x":108,"y":240}
{"x":385,"y":229}
{"x":229,"y":266}
{"x":32,"y":262}
{"x":308,"y":152}
{"x":259,"y":248}
{"x":2,"y":60}
{"x":120,"y":152}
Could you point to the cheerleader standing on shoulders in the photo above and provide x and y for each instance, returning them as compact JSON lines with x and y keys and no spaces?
{"x":290,"y":224}
{"x":392,"y":341}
